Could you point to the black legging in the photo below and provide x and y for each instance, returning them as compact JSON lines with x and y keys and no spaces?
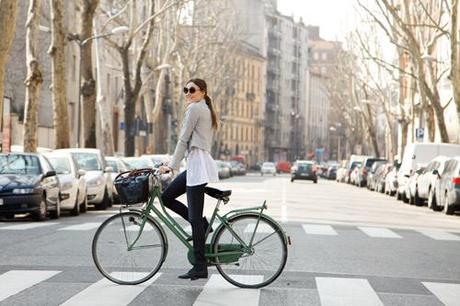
{"x":193,"y":214}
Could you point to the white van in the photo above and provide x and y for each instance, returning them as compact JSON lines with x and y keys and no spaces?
{"x":421,"y":153}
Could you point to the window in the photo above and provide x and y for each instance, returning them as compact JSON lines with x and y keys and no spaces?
{"x":324,"y":56}
{"x":316,"y":55}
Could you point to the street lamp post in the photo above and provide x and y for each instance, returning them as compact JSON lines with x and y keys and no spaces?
{"x":81,"y":43}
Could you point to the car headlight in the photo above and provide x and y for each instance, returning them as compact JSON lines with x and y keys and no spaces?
{"x":23,"y":190}
{"x":95,"y":183}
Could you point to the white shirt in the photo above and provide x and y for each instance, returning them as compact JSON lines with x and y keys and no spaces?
{"x":201,"y":168}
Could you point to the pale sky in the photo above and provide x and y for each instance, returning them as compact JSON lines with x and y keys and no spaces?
{"x":335,"y":17}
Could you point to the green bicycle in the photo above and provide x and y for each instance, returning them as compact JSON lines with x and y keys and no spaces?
{"x":248,"y":248}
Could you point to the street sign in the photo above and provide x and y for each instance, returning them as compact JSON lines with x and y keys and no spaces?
{"x":122,"y":126}
{"x":419,"y":133}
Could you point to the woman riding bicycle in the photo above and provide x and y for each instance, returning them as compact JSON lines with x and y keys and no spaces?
{"x":195,"y":137}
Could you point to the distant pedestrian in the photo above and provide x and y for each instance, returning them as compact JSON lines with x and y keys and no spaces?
{"x":196,"y":138}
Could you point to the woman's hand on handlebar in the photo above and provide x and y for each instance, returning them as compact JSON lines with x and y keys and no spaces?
{"x":165,"y":169}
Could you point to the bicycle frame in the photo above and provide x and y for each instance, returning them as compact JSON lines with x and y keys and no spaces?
{"x":182,"y":235}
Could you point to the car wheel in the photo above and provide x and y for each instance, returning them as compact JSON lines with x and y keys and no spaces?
{"x":40,"y":215}
{"x":55,"y":214}
{"x":432,"y":201}
{"x":292,"y":180}
{"x":404,"y":198}
{"x":398,"y":196}
{"x":315,"y":181}
{"x":261,"y":174}
{"x":417,"y":200}
{"x":76,"y":209}
{"x":448,"y":210}
{"x":84,"y":205}
{"x":103,"y":205}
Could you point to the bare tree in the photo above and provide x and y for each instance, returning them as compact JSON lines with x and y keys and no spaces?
{"x":57,"y":52}
{"x":33,"y":79}
{"x":8,"y":10}
{"x":455,"y":54}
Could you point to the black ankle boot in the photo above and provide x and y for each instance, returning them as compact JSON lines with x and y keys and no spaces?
{"x":195,"y":273}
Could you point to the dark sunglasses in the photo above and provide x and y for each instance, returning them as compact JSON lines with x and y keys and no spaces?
{"x":191,"y":90}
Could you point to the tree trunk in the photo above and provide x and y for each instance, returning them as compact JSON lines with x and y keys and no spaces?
{"x":455,"y":58}
{"x":33,"y":79}
{"x":8,"y":10}
{"x":88,"y":86}
{"x":103,"y":106}
{"x":57,"y":52}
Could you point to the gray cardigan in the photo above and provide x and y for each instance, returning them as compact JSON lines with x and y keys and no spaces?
{"x":196,"y":131}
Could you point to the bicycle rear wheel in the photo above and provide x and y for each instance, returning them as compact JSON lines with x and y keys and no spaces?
{"x":260,"y":265}
{"x":112,"y":256}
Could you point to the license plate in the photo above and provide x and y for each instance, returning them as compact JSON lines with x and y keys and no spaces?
{"x":1,"y":201}
{"x":304,"y":174}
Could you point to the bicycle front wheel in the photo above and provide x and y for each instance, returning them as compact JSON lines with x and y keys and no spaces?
{"x":262,"y":262}
{"x":122,"y":259}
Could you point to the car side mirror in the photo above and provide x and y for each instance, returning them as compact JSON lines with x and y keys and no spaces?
{"x":50,"y":173}
{"x":407,"y":175}
{"x":108,"y":169}
{"x":81,"y":172}
{"x":435,"y":172}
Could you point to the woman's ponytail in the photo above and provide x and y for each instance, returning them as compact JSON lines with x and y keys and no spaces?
{"x":203,"y":86}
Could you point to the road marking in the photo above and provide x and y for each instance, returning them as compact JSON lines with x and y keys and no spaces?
{"x":188,"y":228}
{"x":346,"y":291}
{"x":218,"y":290}
{"x":136,"y":228}
{"x":449,"y":294}
{"x":316,"y":229}
{"x":379,"y":232}
{"x":81,"y":227}
{"x":26,"y":226}
{"x":15,"y":281}
{"x":440,"y":235}
{"x":104,"y":292}
{"x":261,"y":228}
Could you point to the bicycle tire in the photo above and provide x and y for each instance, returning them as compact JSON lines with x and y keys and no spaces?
{"x":112,"y":257}
{"x":269,"y":276}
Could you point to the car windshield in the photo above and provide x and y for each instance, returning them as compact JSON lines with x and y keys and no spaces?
{"x":87,"y":161}
{"x":137,"y":163}
{"x":19,"y":164}
{"x":304,"y":167}
{"x":270,"y":165}
{"x":60,"y":164}
{"x":113,"y":164}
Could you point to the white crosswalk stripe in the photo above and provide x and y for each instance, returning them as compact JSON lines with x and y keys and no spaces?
{"x":346,"y":291}
{"x":15,"y":281}
{"x":104,"y":292}
{"x":440,"y":235}
{"x":379,"y":232}
{"x":81,"y":227}
{"x":218,"y":291}
{"x":447,"y":293}
{"x":317,"y":229}
{"x":27,"y":226}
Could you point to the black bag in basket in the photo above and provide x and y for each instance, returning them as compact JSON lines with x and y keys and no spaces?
{"x":133,"y":188}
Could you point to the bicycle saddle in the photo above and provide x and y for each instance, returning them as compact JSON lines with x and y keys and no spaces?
{"x":216,"y":193}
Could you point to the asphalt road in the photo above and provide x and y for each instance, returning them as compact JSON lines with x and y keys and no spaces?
{"x":350,"y":246}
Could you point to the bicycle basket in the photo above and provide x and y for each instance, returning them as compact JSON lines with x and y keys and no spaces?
{"x":133,"y":187}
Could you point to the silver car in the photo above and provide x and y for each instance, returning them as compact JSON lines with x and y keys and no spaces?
{"x":72,"y":182}
{"x":118,"y":166}
{"x":448,"y":187}
{"x":268,"y":168}
{"x":98,"y":179}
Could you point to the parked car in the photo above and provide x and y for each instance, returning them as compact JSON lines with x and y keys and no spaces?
{"x":448,"y":195}
{"x":137,"y":162}
{"x":268,"y":168}
{"x":374,"y":173}
{"x":98,"y":175}
{"x":411,"y":186}
{"x":354,"y":170}
{"x":418,"y":153}
{"x":304,"y":170}
{"x":427,"y":180}
{"x":229,"y":166}
{"x":28,"y":184}
{"x":71,"y":181}
{"x":283,"y":167}
{"x":363,"y":170}
{"x":391,"y":180}
{"x":157,"y":159}
{"x":118,"y":166}
{"x":350,"y":169}
{"x":331,"y":173}
{"x":380,"y":175}
{"x":224,"y":170}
